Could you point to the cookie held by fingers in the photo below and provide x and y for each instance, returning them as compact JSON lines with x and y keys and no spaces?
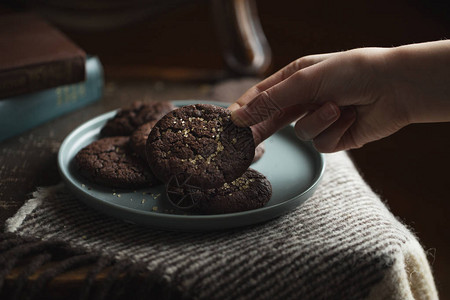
{"x":199,"y":143}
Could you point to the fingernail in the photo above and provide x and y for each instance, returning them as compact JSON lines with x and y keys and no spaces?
{"x":328,"y":112}
{"x":301,"y":134}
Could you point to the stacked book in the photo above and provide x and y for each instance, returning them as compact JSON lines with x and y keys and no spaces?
{"x":43,"y":74}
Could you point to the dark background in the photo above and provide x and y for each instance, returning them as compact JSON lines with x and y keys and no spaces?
{"x":409,"y":170}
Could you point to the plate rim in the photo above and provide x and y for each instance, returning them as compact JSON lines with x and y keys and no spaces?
{"x":64,"y":170}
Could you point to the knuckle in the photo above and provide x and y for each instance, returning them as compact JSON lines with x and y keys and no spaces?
{"x":360,"y":59}
{"x":288,"y":70}
{"x":267,"y":95}
{"x":295,"y":66}
{"x":311,"y":84}
{"x":299,"y":76}
{"x":303,"y":62}
{"x":257,"y":89}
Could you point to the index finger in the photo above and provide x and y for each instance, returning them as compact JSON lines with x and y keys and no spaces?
{"x":300,"y":88}
{"x":278,"y":77}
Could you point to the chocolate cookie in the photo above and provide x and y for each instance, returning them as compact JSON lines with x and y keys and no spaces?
{"x":200,"y":144}
{"x":139,"y":138}
{"x":129,"y":118}
{"x":109,"y":162}
{"x":259,"y":152}
{"x":250,"y":191}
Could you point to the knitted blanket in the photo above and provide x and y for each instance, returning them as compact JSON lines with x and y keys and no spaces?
{"x":342,"y":243}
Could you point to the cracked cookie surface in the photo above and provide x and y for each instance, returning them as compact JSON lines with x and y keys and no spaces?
{"x":250,"y":191}
{"x":129,"y":118}
{"x":199,"y":144}
{"x":110,"y":162}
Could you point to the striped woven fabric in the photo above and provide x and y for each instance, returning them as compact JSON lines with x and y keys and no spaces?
{"x":342,"y":243}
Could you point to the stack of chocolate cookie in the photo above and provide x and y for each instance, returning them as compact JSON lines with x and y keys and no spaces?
{"x":111,"y":160}
{"x":196,"y":151}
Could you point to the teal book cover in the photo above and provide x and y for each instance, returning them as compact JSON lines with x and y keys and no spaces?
{"x":21,"y":113}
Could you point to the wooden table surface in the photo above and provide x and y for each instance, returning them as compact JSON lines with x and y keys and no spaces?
{"x":409,"y":169}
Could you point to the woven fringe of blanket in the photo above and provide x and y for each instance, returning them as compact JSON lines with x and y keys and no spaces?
{"x":342,"y":243}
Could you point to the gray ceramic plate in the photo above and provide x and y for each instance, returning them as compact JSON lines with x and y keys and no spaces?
{"x":293,"y":167}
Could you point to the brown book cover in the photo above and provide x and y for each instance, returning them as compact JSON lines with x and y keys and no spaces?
{"x":34,"y":56}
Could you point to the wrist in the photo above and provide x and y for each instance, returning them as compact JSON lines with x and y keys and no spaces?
{"x":420,"y":78}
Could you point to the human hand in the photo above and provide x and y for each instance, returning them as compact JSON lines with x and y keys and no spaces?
{"x":347,"y":99}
